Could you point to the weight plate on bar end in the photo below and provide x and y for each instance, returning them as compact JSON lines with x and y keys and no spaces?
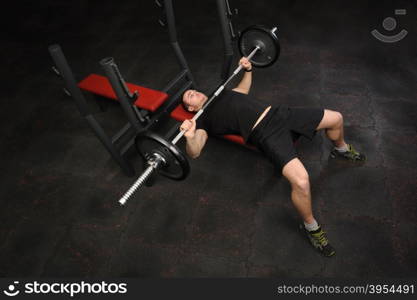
{"x":259,"y":35}
{"x":176,"y":164}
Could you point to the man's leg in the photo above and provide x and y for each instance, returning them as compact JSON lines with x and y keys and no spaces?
{"x":332,"y":123}
{"x":298,"y":177}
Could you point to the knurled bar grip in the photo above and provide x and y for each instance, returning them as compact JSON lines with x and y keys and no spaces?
{"x":152,"y":167}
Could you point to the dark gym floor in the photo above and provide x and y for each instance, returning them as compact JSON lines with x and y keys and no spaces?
{"x":232,"y":217}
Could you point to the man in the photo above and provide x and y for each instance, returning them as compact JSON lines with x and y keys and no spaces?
{"x":273,"y":131}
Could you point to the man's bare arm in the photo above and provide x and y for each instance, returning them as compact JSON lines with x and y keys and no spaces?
{"x":196,"y":143}
{"x":246,"y":82}
{"x":196,"y":138}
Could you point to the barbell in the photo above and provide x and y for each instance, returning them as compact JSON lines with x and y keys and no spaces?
{"x":261,"y":46}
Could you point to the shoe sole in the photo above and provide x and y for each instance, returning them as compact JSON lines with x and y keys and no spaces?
{"x":334,"y":156}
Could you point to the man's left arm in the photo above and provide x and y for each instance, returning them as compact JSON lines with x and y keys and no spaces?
{"x":246,"y":82}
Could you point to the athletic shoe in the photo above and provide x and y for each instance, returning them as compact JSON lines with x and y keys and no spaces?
{"x":319,"y":241}
{"x":351,"y":154}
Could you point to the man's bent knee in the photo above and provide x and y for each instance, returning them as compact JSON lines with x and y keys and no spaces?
{"x":338,"y":118}
{"x":297,"y":175}
{"x":331,"y":120}
{"x":301,"y":183}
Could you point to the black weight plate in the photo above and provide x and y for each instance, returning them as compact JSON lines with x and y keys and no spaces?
{"x":176,"y":166}
{"x":258,"y":35}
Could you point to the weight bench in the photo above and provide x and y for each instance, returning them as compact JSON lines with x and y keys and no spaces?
{"x":149,"y":100}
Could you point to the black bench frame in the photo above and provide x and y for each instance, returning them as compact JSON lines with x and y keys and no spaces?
{"x":122,"y":141}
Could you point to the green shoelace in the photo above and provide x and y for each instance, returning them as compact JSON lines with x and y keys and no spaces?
{"x":320,"y":237}
{"x":353,"y":153}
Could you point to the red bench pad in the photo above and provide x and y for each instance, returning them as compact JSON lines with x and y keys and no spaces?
{"x":148,"y":99}
{"x":180,"y":114}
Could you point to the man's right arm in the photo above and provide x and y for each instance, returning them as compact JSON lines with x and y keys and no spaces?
{"x":196,"y":143}
{"x":196,"y":139}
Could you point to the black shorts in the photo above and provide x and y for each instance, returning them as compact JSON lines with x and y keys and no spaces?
{"x":276,"y":133}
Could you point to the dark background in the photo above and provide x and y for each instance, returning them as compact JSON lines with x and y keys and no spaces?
{"x":232,"y":217}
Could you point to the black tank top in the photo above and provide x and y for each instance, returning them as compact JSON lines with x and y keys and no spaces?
{"x":231,"y":113}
